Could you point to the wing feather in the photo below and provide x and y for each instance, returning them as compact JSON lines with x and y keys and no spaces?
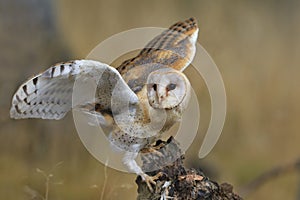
{"x":49,"y":94}
{"x":174,"y":47}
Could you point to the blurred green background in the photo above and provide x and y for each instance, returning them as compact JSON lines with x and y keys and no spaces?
{"x":255,"y":44}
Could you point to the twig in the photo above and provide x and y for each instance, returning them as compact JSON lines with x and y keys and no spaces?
{"x":105,"y":180}
{"x":269,"y":175}
{"x":47,"y":177}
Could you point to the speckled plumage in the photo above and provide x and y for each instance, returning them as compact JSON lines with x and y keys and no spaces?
{"x":152,"y":82}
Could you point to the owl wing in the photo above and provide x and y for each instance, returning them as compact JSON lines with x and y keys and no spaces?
{"x":174,"y":47}
{"x":49,"y":94}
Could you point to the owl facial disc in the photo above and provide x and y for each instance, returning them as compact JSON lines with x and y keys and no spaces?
{"x":167,"y":88}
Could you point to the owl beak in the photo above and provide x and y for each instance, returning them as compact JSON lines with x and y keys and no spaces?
{"x":161,"y":90}
{"x":158,"y":95}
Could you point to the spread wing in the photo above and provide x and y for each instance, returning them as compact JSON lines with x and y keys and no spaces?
{"x":49,"y":94}
{"x":175,"y":47}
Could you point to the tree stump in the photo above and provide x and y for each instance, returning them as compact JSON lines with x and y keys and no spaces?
{"x":175,"y":181}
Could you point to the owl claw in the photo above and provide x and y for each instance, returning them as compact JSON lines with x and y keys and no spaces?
{"x":151,"y":179}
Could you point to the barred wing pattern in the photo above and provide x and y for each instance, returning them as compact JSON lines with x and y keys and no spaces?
{"x":175,"y":47}
{"x":49,"y":94}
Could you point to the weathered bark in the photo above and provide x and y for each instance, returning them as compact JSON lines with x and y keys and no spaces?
{"x":176,"y":182}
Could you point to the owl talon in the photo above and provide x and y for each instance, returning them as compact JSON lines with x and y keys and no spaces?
{"x":151,"y":179}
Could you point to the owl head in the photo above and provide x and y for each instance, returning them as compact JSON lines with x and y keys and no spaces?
{"x":168,"y":88}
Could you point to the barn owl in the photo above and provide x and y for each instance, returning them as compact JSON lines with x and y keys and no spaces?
{"x":138,"y":101}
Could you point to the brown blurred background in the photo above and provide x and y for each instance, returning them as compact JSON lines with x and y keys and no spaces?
{"x":254,"y":43}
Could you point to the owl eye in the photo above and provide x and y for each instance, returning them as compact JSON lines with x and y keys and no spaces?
{"x":154,"y":87}
{"x":171,"y":86}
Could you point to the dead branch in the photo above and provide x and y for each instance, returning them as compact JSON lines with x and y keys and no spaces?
{"x":268,"y":176}
{"x":175,"y":181}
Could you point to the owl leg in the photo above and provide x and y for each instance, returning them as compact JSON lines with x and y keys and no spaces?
{"x":129,"y":161}
{"x":152,"y":151}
